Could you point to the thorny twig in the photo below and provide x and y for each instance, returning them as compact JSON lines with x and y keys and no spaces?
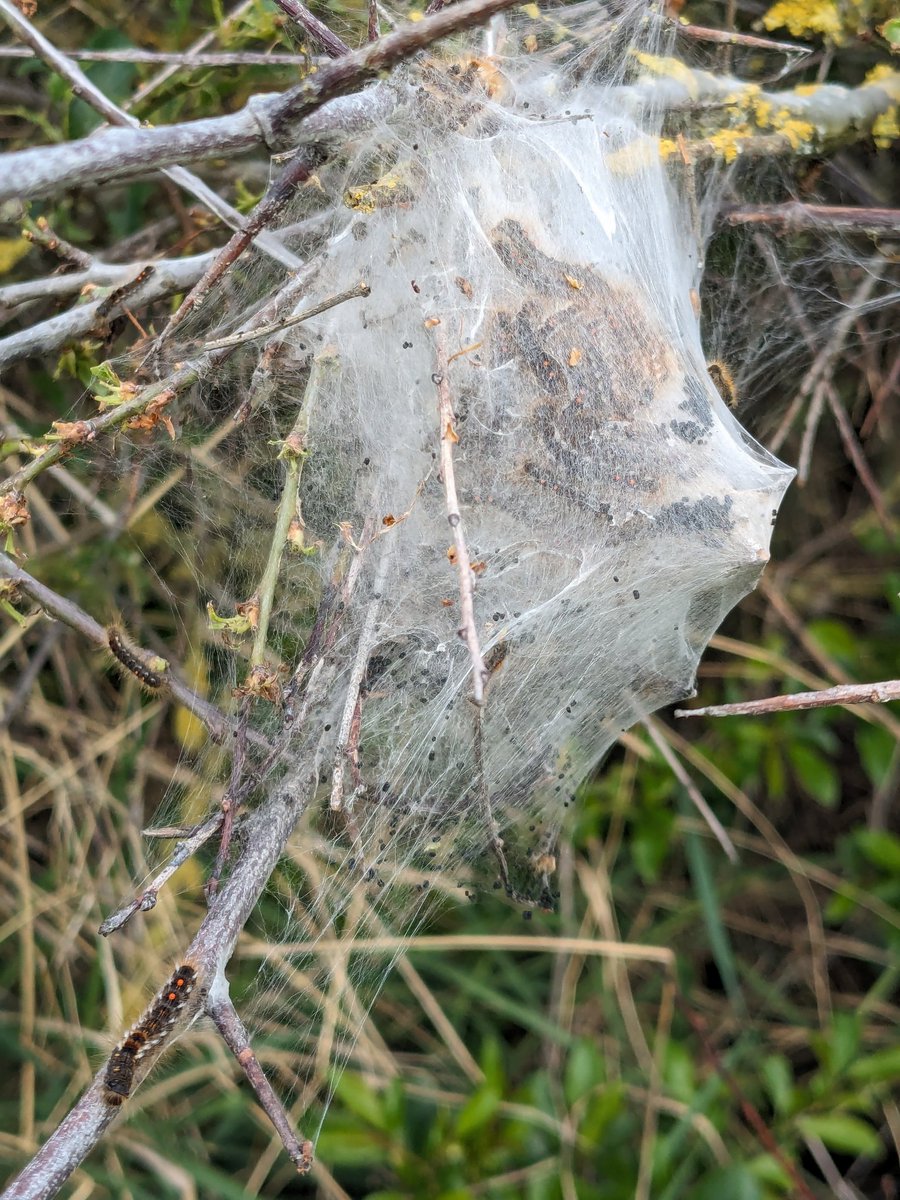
{"x":845,"y":693}
{"x":184,"y":850}
{"x":267,"y":831}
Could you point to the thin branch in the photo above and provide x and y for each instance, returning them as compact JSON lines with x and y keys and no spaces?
{"x":253,"y":335}
{"x":70,"y":614}
{"x":205,"y":39}
{"x":845,"y":693}
{"x":727,"y":37}
{"x":794,"y":217}
{"x":147,"y":898}
{"x":468,"y":630}
{"x":266,"y":832}
{"x":333,"y":46}
{"x":220,"y":1008}
{"x":182,"y":58}
{"x":86,"y":90}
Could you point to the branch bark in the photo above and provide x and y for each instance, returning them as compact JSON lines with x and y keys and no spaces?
{"x":265,"y":834}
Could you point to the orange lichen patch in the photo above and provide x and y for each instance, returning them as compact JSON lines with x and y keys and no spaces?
{"x":575,"y":356}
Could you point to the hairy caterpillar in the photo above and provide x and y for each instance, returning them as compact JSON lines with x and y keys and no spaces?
{"x":152,"y":1029}
{"x":133,"y":662}
{"x":722,"y":377}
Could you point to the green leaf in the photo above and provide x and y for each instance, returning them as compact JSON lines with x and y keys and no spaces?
{"x":779,"y":1081}
{"x":728,"y":1183}
{"x":881,"y":848}
{"x":875,"y":747}
{"x":602,"y":1108}
{"x":477,"y":1111}
{"x":890,"y":31}
{"x":361,"y":1099}
{"x":584,"y":1070}
{"x":881,"y":1067}
{"x":841,"y":1132}
{"x":815,"y":774}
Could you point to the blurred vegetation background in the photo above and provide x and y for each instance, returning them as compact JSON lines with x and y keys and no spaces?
{"x":752,"y":1053}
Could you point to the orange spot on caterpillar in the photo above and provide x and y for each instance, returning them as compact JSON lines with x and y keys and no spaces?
{"x":152,"y":1029}
{"x":132,"y":661}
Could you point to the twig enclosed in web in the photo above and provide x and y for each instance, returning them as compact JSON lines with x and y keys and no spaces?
{"x":845,"y":693}
{"x":293,"y":453}
{"x":338,"y":801}
{"x":468,"y":630}
{"x":333,"y":46}
{"x":83,"y":87}
{"x":253,"y":335}
{"x":281,"y":121}
{"x":223,"y":1014}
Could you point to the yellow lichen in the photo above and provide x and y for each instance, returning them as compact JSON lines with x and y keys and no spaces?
{"x":803,"y":17}
{"x":670,"y":67}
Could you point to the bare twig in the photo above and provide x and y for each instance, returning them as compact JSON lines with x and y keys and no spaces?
{"x":253,"y":335}
{"x":855,"y":453}
{"x":86,"y":90}
{"x":267,"y":831}
{"x":171,"y":275}
{"x":727,"y":37}
{"x":845,"y":693}
{"x":181,"y":58}
{"x":146,"y":900}
{"x":220,"y":1008}
{"x":794,"y":216}
{"x":41,"y":234}
{"x":333,"y":46}
{"x":468,"y":630}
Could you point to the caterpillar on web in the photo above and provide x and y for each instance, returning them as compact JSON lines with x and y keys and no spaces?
{"x":151,"y":676}
{"x":152,"y":1029}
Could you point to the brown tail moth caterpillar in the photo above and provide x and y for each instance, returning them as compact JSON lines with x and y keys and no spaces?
{"x":152,"y":1029}
{"x":149,"y":669}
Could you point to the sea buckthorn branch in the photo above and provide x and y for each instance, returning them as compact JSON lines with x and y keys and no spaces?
{"x":277,"y":122}
{"x":88,"y":91}
{"x":265,"y":834}
{"x":71,"y":614}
